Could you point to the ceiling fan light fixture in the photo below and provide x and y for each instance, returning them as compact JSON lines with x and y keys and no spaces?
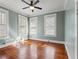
{"x":32,"y":8}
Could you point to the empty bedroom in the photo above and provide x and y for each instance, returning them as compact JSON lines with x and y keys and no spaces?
{"x":38,"y":29}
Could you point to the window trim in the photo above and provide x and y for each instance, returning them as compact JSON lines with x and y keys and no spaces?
{"x":36,"y":26}
{"x":50,"y":15}
{"x":7,"y":18}
{"x":26,"y":31}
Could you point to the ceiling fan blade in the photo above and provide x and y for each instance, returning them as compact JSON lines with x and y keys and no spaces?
{"x":36,"y":2}
{"x":25,"y":2}
{"x":25,"y":7}
{"x":38,"y":7}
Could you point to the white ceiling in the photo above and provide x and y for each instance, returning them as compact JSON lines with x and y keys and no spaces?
{"x":48,"y":6}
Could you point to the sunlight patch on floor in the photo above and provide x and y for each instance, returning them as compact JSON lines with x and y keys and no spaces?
{"x":51,"y":51}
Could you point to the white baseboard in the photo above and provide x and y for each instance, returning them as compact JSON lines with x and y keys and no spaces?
{"x":60,"y":42}
{"x":46,"y":40}
{"x":7,"y":44}
{"x":67,"y":52}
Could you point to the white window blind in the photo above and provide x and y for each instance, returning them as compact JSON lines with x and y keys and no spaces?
{"x":4,"y":29}
{"x":33,"y":25}
{"x":23,"y":25}
{"x":50,"y":25}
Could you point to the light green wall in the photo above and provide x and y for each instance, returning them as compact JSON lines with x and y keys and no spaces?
{"x":40,"y":24}
{"x":60,"y":27}
{"x":70,"y":29}
{"x":13,"y":18}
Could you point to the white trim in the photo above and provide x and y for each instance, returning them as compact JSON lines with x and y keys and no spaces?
{"x":67,"y":52}
{"x":7,"y":44}
{"x":55,"y":41}
{"x":3,"y":10}
{"x":46,"y":40}
{"x":39,"y":39}
{"x":11,"y":43}
{"x":7,"y":18}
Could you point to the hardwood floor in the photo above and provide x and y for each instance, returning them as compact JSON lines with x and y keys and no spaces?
{"x":34,"y":50}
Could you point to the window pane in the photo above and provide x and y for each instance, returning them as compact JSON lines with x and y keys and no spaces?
{"x":23,"y":25}
{"x":3,"y":25}
{"x":50,"y":24}
{"x":3,"y":18}
{"x":3,"y":31}
{"x":33,"y":25}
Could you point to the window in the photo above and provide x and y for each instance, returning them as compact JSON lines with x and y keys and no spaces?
{"x":4,"y":29}
{"x":33,"y":25}
{"x":50,"y":25}
{"x":23,"y":25}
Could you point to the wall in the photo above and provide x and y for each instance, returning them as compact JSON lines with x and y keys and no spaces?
{"x":60,"y":27}
{"x":70,"y":29}
{"x":13,"y":18}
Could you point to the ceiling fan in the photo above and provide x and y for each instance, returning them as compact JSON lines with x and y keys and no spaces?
{"x":32,"y":5}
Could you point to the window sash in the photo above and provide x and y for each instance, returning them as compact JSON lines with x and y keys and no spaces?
{"x":50,"y":25}
{"x":23,"y":25}
{"x":4,"y":29}
{"x":33,"y":25}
